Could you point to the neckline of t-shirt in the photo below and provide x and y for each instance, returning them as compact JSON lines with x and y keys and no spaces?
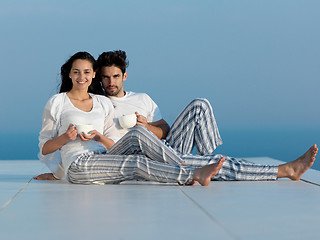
{"x":128,"y":93}
{"x":93,"y":103}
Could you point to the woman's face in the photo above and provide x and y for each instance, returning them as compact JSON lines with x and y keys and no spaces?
{"x":81,"y":74}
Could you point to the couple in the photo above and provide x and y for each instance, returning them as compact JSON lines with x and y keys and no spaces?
{"x":85,"y":158}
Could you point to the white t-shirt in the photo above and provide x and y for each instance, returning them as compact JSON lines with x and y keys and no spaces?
{"x":60,"y":112}
{"x":135,"y":102}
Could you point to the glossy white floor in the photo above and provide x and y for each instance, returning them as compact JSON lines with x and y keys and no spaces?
{"x":224,"y":210}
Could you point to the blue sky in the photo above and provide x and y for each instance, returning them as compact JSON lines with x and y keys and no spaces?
{"x":256,"y":61}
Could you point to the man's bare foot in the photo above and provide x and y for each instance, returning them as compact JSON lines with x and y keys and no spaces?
{"x":295,"y":169}
{"x":203,"y":175}
{"x":45,"y":176}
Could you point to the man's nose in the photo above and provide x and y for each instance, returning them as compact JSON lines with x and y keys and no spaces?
{"x":111,"y":81}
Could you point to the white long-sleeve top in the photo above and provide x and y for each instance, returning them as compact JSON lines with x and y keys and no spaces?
{"x":59,"y":112}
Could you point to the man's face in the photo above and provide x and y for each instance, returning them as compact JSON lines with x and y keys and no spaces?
{"x":112,"y":81}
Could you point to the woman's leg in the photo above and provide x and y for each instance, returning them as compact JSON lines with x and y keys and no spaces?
{"x":195,"y":126}
{"x":91,"y":168}
{"x":140,"y":140}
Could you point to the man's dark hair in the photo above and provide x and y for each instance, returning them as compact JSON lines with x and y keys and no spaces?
{"x":116,"y":58}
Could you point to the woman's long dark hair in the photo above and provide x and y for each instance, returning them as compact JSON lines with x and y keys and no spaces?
{"x":66,"y":82}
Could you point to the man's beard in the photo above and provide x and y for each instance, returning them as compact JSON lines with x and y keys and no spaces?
{"x":113,"y":93}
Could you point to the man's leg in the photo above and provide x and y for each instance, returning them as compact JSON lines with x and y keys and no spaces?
{"x":195,"y":126}
{"x":233,"y":169}
{"x":295,"y":169}
{"x":241,"y":170}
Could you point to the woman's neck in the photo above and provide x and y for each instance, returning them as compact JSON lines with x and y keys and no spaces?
{"x":78,"y":95}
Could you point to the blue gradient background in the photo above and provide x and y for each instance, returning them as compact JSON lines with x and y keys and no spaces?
{"x":258,"y":63}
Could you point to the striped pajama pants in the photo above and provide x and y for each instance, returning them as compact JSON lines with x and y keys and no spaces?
{"x":196,"y":126}
{"x":140,"y":155}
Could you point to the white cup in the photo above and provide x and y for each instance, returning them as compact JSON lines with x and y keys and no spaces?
{"x":128,"y":121}
{"x":86,"y":128}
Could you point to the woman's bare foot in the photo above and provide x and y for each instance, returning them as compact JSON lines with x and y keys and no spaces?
{"x":45,"y":176}
{"x":193,"y":182}
{"x":203,"y":175}
{"x":295,"y":169}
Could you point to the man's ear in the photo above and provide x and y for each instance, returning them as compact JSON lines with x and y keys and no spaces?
{"x":125,"y":76}
{"x":94,"y":74}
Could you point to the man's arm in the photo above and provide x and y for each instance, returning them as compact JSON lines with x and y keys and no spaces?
{"x":159,"y":128}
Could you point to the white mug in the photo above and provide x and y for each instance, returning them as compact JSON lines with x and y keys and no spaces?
{"x":128,"y":121}
{"x":86,"y":128}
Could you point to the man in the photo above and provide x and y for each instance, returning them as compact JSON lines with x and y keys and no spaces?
{"x":195,"y":126}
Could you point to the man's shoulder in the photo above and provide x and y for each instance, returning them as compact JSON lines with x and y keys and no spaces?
{"x":137,"y":95}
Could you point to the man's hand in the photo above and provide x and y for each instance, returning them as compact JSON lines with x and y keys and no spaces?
{"x":45,"y":176}
{"x":159,"y":128}
{"x":141,"y":120}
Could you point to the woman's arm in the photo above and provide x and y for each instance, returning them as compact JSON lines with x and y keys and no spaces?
{"x":54,"y":144}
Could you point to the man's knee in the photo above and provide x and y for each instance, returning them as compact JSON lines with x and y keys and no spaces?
{"x":201,"y":102}
{"x":138,"y":130}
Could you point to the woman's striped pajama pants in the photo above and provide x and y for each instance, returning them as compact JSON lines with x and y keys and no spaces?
{"x":140,"y":155}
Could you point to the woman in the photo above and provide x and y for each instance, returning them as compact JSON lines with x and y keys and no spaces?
{"x":84,"y":157}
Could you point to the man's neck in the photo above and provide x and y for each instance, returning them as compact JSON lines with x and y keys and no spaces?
{"x":119,"y":95}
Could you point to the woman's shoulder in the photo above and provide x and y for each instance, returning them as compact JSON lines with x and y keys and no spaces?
{"x":101,"y":98}
{"x":57,"y":97}
{"x":104,"y":101}
{"x":56,"y":102}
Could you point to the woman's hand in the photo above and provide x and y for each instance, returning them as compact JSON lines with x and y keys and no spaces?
{"x":94,"y":134}
{"x":71,"y":132}
{"x":45,"y":176}
{"x":54,"y":144}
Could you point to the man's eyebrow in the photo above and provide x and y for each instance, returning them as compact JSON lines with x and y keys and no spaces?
{"x":114,"y":75}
